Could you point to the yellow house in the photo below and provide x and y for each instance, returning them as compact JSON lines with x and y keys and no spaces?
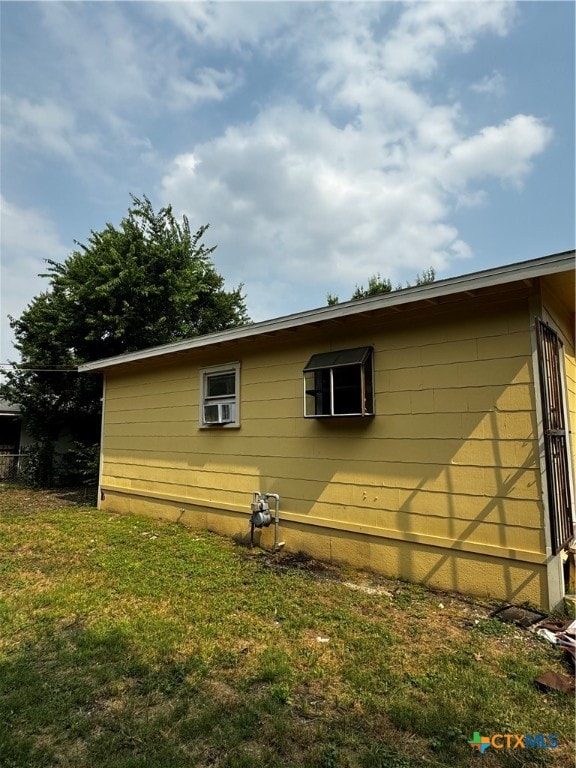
{"x":423,"y":434}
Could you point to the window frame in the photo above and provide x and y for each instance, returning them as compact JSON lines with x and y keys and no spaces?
{"x":232,"y":399}
{"x":330,"y":389}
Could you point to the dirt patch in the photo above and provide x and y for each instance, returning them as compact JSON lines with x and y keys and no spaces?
{"x":15,"y":500}
{"x":222,"y":694}
{"x":286,"y":561}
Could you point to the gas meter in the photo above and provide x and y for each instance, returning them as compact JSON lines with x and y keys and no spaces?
{"x":260,"y":517}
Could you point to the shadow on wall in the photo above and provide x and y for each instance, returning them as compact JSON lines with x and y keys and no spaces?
{"x":446,"y":474}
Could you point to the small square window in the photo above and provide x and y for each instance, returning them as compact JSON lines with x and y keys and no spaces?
{"x":219,"y":396}
{"x":339,"y":384}
{"x":220,"y":384}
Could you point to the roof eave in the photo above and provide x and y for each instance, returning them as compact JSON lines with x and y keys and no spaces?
{"x":527,"y":270}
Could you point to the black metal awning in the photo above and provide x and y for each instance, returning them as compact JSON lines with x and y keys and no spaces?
{"x":356,"y":356}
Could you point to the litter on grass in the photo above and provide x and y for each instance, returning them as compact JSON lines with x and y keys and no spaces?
{"x":513,"y":614}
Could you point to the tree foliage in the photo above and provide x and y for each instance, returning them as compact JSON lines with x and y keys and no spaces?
{"x":146,"y":282}
{"x":428,"y":276}
{"x":378,"y":285}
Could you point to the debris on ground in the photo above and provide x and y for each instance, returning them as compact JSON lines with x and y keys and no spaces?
{"x":556,"y":681}
{"x":514,"y":614}
{"x":562,"y":635}
{"x":558,"y":633}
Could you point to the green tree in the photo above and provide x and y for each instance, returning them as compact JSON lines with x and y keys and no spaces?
{"x":378,"y":285}
{"x":149,"y":281}
{"x":428,"y":276}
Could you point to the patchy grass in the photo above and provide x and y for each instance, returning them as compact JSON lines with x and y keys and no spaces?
{"x":127,"y":643}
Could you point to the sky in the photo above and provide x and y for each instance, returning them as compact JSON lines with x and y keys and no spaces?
{"x":322,"y":142}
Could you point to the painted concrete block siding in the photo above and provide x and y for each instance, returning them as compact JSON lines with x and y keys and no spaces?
{"x":419,"y":559}
{"x":570,"y":364}
{"x":570,"y":368}
{"x":562,"y":319}
{"x":447,"y":469}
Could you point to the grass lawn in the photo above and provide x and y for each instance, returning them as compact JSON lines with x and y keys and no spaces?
{"x":129,"y":643}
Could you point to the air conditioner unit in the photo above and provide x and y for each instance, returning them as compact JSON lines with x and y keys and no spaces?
{"x":219,"y":413}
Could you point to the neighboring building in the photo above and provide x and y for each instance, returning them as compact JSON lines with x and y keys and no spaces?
{"x":13,"y":438}
{"x":10,"y":428}
{"x":16,"y":441}
{"x":422,"y":434}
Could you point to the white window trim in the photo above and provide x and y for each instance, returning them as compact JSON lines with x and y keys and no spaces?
{"x":219,"y":369}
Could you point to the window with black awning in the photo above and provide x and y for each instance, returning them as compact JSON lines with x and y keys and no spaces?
{"x":339,"y":383}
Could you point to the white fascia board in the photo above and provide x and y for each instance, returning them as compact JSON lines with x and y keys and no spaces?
{"x":525,"y":270}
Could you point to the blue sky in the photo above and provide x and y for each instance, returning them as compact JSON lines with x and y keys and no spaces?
{"x":322,"y":142}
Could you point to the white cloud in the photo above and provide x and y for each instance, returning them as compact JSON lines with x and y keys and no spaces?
{"x":300,"y":196}
{"x":112,"y":78}
{"x":503,"y":152}
{"x":207,"y":84}
{"x":46,"y":125}
{"x":359,"y":169}
{"x":232,"y":25}
{"x":101,"y":54}
{"x":303,"y":197}
{"x":426,"y":29}
{"x":493,"y":84}
{"x":374,"y":65}
{"x":28,"y":238}
{"x":113,"y":64}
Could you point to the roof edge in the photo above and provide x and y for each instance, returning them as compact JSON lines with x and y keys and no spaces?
{"x":524,"y":270}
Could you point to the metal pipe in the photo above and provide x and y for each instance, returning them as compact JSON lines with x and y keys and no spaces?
{"x":260,"y":516}
{"x":256,"y":496}
{"x":276,"y":497}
